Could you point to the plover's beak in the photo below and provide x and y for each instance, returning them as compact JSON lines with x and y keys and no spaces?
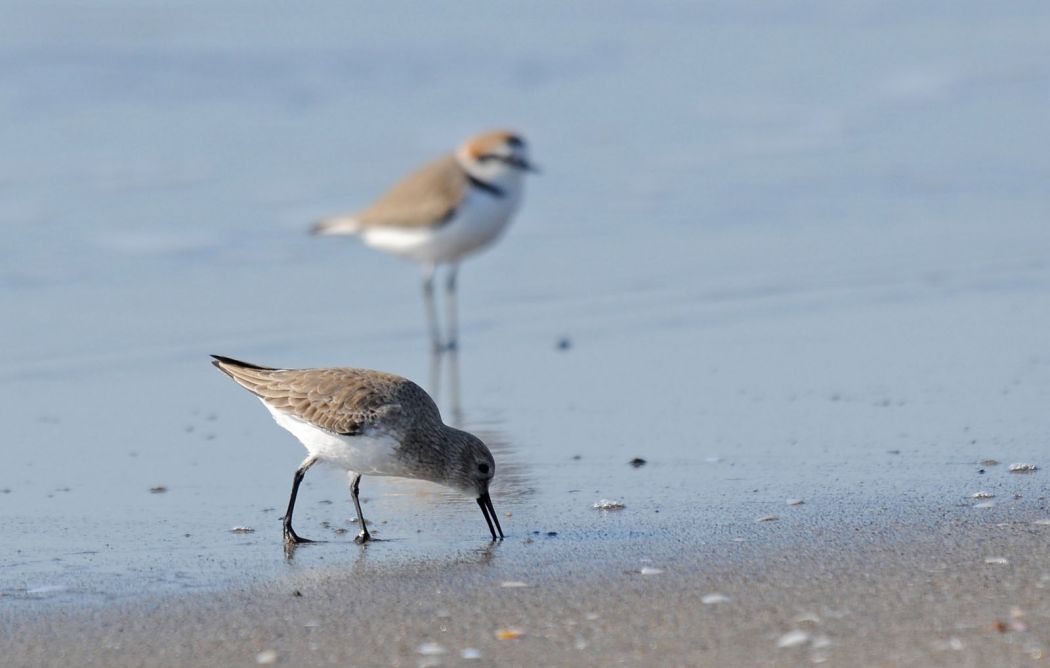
{"x":485,"y":502}
{"x":522,"y":164}
{"x":529,"y":167}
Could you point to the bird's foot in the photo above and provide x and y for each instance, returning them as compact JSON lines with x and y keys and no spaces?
{"x":292,"y":538}
{"x":362,"y":537}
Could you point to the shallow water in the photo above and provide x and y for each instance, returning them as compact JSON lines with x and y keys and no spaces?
{"x":798,"y":254}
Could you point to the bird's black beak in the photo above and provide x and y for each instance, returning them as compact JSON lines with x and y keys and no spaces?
{"x":485,"y":502}
{"x":523,"y":164}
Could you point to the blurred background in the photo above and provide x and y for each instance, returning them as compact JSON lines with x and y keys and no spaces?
{"x":781,"y":240}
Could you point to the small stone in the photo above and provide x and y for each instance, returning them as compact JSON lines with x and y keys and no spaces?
{"x":159,"y":489}
{"x":509,"y":634}
{"x":767,"y":518}
{"x":794,"y":502}
{"x":712,"y":599}
{"x":564,"y":343}
{"x":266,"y":657}
{"x":608,"y":504}
{"x":982,"y":495}
{"x":471,"y":654}
{"x":998,"y":561}
{"x":637,"y":462}
{"x":513,"y":584}
{"x":989,"y":462}
{"x":242,"y":530}
{"x":649,"y":570}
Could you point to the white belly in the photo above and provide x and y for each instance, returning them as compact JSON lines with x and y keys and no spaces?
{"x":479,"y":221}
{"x":374,"y":454}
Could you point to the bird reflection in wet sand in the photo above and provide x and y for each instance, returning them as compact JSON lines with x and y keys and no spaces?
{"x":368,"y":422}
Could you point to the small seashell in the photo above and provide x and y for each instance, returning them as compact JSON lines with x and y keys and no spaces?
{"x":509,"y":634}
{"x":712,"y":599}
{"x":649,"y":570}
{"x":607,"y":504}
{"x":242,"y":530}
{"x":431,"y":649}
{"x":1000,"y":561}
{"x":982,"y":495}
{"x":794,"y":502}
{"x":793,"y":639}
{"x":767,"y":518}
{"x":1023,"y":468}
{"x":266,"y":657}
{"x":511,"y":584}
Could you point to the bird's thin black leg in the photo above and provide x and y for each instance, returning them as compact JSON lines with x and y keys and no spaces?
{"x":451,"y":316}
{"x":289,"y":533}
{"x":355,"y":485}
{"x":431,"y":309}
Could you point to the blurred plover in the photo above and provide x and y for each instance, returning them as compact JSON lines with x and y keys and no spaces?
{"x":368,"y":423}
{"x":443,"y":212}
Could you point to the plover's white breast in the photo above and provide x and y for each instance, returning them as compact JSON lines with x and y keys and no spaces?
{"x":478,"y":221}
{"x":370,"y":453}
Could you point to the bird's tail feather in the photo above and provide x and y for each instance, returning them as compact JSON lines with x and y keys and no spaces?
{"x":336,"y":225}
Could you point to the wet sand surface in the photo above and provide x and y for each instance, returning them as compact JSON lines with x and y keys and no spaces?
{"x":793,"y":254}
{"x":959,"y":591}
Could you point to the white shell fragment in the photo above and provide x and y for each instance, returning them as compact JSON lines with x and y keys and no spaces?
{"x":649,"y":570}
{"x":793,"y":639}
{"x":266,"y":657}
{"x":713,"y":599}
{"x":607,"y":504}
{"x":794,"y":502}
{"x":471,"y":654}
{"x":1023,"y":468}
{"x":242,"y":530}
{"x":1000,"y":561}
{"x":512,"y":584}
{"x":767,"y":518}
{"x":431,"y":649}
{"x":982,"y":495}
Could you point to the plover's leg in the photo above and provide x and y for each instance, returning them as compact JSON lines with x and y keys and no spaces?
{"x":428,"y":302}
{"x":355,"y":484}
{"x":451,"y":321}
{"x":289,"y":533}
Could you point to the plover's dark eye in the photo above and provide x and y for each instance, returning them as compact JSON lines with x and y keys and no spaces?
{"x":483,"y":468}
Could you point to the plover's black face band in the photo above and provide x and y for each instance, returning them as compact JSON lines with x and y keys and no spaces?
{"x":485,"y":502}
{"x":514,"y":161}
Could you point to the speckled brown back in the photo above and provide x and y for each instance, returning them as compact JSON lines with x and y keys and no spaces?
{"x":343,"y":401}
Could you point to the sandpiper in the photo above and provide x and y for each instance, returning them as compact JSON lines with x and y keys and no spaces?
{"x":368,"y":423}
{"x":443,"y":212}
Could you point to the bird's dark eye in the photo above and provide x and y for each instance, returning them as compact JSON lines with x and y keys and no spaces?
{"x":483,"y":468}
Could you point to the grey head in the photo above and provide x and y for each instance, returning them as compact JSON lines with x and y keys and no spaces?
{"x":460,"y":460}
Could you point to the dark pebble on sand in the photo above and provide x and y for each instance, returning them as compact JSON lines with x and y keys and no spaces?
{"x":564,"y":343}
{"x":636,"y":462}
{"x":159,"y":489}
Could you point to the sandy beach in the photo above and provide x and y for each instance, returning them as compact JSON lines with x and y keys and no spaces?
{"x":961,"y":591}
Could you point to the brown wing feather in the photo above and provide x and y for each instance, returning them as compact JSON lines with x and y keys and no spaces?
{"x":424,"y":198}
{"x":343,"y":401}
